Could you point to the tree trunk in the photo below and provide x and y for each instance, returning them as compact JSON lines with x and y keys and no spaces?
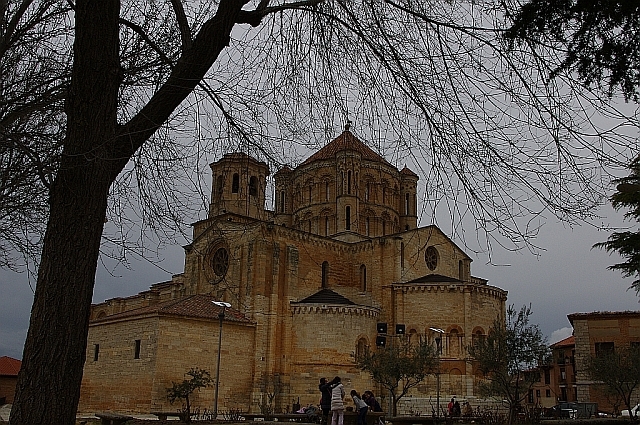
{"x":48,"y":388}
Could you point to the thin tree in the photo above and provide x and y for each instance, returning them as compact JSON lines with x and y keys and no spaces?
{"x":199,"y":378}
{"x":154,"y":84}
{"x":400,"y":366}
{"x":509,"y":358}
{"x":617,"y":371}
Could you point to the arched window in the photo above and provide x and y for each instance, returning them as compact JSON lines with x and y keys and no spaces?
{"x":363,"y":278}
{"x":406,"y":204}
{"x":326,"y":226}
{"x":361,"y":347}
{"x":253,"y":186}
{"x":349,"y":182}
{"x":384,"y":195}
{"x":235,"y":185}
{"x":282,"y":201}
{"x":384,"y":227}
{"x":347,"y":218}
{"x":220,"y":184}
{"x":310,"y":194}
{"x":326,"y":191}
{"x":325,"y":274}
{"x":367,"y":192}
{"x":368,"y":226}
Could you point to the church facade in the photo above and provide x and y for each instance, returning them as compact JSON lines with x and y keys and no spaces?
{"x":308,"y":283}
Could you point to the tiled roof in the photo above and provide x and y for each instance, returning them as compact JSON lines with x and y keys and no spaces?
{"x":325,"y":296}
{"x":567,"y":342}
{"x":345,"y":141}
{"x":408,"y":172}
{"x":435,"y":278}
{"x":196,"y":306}
{"x":602,"y":315}
{"x":9,"y":366}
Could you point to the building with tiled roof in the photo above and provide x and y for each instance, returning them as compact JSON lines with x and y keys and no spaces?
{"x":308,"y":283}
{"x":9,"y":368}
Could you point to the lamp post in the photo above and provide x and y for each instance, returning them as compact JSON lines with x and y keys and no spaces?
{"x":224,"y":306}
{"x":439,"y":333}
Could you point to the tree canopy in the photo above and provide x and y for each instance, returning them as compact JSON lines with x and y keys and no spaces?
{"x":510,"y":357}
{"x":627,"y":243}
{"x":617,"y":372}
{"x":600,"y":39}
{"x":400,"y":366}
{"x":132,"y":98}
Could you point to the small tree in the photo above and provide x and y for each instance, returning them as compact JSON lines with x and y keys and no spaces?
{"x":618,"y":372}
{"x":200,"y":378}
{"x":400,"y":366}
{"x":509,"y":357}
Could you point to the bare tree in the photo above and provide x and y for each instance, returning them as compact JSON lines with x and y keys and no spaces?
{"x":156,"y":84}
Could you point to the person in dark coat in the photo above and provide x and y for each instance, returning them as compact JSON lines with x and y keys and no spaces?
{"x":325,"y":400}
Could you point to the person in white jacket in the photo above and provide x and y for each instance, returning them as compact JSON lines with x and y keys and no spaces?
{"x":337,"y":403}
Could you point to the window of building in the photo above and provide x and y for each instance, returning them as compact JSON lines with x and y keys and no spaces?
{"x":361,"y":347}
{"x":547,"y":393}
{"x":530,"y":397}
{"x":384,"y":195}
{"x":406,"y":204}
{"x":384,"y":227}
{"x":253,"y":186}
{"x":326,"y":191}
{"x":235,"y":184}
{"x":282,"y":201}
{"x":325,"y":274}
{"x":349,"y":182}
{"x":96,"y":352}
{"x":563,"y":394}
{"x":563,"y":374}
{"x":366,"y":192}
{"x":431,"y":257}
{"x":136,"y":354}
{"x":538,"y":393}
{"x":310,"y":194}
{"x":220,"y":184}
{"x":347,"y":218}
{"x":602,"y":347}
{"x":363,"y":278}
{"x":326,"y":226}
{"x":547,"y":377}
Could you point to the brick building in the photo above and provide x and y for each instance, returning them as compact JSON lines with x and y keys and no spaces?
{"x":601,"y":331}
{"x":558,"y":379}
{"x":9,"y":368}
{"x":307,"y":282}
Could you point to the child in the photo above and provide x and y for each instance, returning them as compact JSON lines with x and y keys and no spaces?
{"x":361,"y":408}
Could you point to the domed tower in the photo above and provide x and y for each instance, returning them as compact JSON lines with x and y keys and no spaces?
{"x":239,"y":183}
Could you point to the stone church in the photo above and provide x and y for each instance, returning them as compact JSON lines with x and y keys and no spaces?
{"x":309,"y":283}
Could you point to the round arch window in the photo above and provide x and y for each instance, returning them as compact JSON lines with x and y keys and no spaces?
{"x":431,"y":258}
{"x":218,"y":264}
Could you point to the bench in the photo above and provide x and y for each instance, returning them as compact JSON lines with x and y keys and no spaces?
{"x":164,"y":415}
{"x":109,"y":418}
{"x":413,"y":420}
{"x":291,"y":417}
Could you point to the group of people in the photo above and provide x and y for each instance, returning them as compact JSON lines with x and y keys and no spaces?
{"x":455,"y":411}
{"x":332,"y":400}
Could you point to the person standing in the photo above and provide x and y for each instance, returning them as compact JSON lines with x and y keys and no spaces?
{"x":361,"y":408}
{"x":325,"y":400}
{"x":337,"y":403}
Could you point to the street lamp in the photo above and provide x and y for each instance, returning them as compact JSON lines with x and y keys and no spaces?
{"x":224,"y":306}
{"x":440,"y":332}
